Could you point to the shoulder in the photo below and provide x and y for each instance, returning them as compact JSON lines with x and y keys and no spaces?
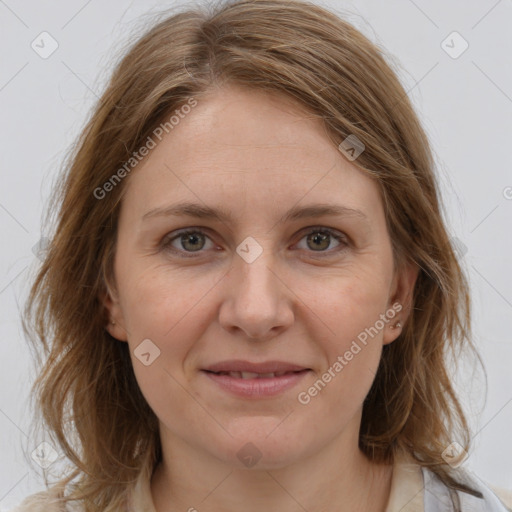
{"x":415,"y":488}
{"x":38,"y":503}
{"x":505,"y":495}
{"x":43,"y":501}
{"x":493,"y":499}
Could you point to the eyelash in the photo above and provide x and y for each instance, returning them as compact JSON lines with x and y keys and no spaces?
{"x":167,"y":241}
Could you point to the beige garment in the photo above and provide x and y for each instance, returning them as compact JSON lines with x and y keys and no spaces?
{"x":406,"y":494}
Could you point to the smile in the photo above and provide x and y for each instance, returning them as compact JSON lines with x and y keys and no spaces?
{"x":256,"y":385}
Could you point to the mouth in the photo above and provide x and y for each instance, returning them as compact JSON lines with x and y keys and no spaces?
{"x":255,"y":375}
{"x":255,"y":385}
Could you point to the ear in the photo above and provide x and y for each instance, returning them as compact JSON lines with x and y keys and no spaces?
{"x":115,"y":324}
{"x":400,"y":301}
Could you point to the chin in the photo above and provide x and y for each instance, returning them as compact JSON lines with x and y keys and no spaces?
{"x":264,"y":444}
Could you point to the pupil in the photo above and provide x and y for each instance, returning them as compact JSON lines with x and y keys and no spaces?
{"x":193,"y":239}
{"x":318,"y":238}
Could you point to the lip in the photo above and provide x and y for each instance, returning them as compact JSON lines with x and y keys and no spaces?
{"x":238,"y":365}
{"x":257,"y":387}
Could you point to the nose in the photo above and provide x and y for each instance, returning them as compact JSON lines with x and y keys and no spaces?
{"x":258,"y":301}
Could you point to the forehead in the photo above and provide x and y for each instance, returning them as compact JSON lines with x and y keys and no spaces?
{"x":252,"y":150}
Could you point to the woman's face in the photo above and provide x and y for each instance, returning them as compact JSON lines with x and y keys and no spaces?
{"x":254,"y":283}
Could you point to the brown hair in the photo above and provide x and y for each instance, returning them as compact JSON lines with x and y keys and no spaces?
{"x":86,"y":389}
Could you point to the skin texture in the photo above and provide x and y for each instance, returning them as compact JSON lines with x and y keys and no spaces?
{"x":256,"y":156}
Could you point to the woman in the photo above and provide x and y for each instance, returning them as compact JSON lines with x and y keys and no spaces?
{"x":250,"y":294}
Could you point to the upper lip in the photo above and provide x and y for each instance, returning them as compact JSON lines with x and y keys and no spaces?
{"x":237,"y":365}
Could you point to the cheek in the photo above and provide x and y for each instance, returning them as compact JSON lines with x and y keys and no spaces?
{"x":172,"y":313}
{"x":348,"y":300}
{"x":161,"y":302}
{"x":350,"y":306}
{"x":351,"y":350}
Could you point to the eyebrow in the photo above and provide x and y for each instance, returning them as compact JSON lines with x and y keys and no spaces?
{"x":295,"y":213}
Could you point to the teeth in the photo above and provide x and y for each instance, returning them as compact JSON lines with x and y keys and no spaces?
{"x":253,"y":375}
{"x":248,"y":375}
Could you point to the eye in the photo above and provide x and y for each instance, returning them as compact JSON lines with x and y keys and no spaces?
{"x":319,"y":239}
{"x":189,"y":241}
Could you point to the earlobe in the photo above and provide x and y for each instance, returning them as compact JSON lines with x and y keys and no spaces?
{"x":401,"y":301}
{"x":392,"y":330}
{"x":116,"y":331}
{"x":115,"y":316}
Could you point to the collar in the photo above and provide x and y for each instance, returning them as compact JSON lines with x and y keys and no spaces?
{"x":406,"y":494}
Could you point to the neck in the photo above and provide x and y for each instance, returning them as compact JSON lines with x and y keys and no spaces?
{"x":334,"y":478}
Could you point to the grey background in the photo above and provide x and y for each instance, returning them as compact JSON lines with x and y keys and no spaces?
{"x":464,"y":103}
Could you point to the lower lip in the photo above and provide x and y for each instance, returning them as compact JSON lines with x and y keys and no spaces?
{"x":257,"y":388}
